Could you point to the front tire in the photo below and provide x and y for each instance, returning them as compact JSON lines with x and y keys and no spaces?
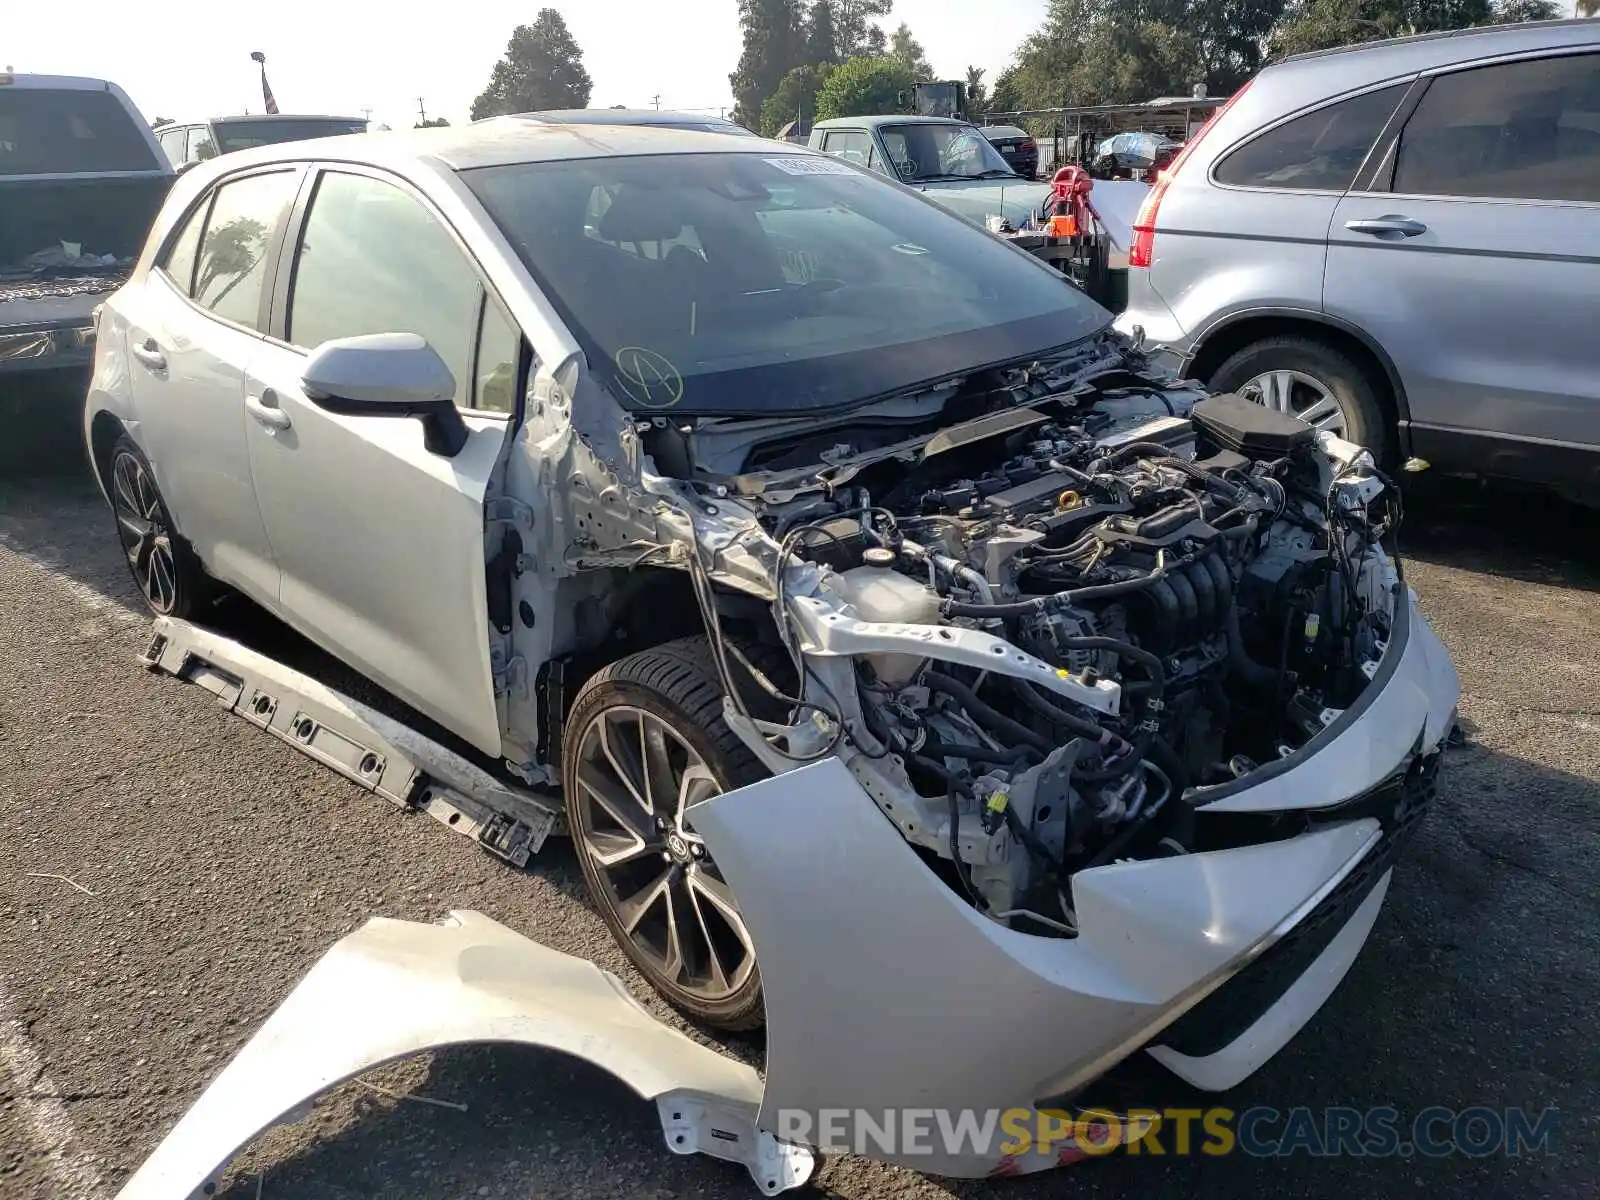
{"x":644,"y":741}
{"x":165,"y":570}
{"x":1309,"y":379}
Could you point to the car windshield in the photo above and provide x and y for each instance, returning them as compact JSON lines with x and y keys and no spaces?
{"x":47,"y":131}
{"x":743,"y":282}
{"x":926,"y":152}
{"x":242,"y":135}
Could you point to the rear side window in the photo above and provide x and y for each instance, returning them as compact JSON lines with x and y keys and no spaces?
{"x":179,"y":260}
{"x":1526,"y":130}
{"x":50,"y":131}
{"x":1321,"y":151}
{"x":237,"y":241}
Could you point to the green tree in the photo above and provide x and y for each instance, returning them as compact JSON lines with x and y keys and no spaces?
{"x":909,"y":51}
{"x":542,"y":68}
{"x":1007,"y":93}
{"x":1588,"y":8}
{"x":863,"y":87}
{"x":773,"y":44}
{"x":432,"y":123}
{"x":1320,"y":24}
{"x":1513,"y":12}
{"x":976,"y":98}
{"x":855,"y":35}
{"x":795,"y":99}
{"x":822,"y":42}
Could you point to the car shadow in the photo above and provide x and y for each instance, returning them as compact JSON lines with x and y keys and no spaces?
{"x":1513,"y":533}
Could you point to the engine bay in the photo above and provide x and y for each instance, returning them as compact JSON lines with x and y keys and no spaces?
{"x":1212,"y":567}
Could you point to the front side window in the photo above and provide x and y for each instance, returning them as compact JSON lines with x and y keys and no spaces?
{"x":373,"y":259}
{"x":852,"y":145}
{"x":789,"y":283}
{"x":200,"y":146}
{"x":1321,"y":151}
{"x":1525,"y":130}
{"x":232,"y":269}
{"x":172,"y":145}
{"x":927,"y":152}
{"x":499,"y":360}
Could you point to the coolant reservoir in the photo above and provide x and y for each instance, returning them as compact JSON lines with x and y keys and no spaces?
{"x":879,"y":593}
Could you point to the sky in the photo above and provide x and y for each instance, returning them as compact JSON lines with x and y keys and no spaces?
{"x":190,"y":59}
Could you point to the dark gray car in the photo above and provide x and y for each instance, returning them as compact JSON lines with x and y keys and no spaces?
{"x":1396,"y":241}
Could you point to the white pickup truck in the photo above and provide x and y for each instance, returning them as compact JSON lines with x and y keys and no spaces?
{"x":81,"y":179}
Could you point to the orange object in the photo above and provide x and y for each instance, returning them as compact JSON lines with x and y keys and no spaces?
{"x":1063,"y":225}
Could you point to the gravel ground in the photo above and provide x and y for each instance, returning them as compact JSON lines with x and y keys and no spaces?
{"x":222,"y":865}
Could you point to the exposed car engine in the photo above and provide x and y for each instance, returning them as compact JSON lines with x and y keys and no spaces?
{"x":1042,"y":635}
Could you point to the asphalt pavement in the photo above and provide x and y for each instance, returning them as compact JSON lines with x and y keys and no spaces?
{"x":167,"y":874}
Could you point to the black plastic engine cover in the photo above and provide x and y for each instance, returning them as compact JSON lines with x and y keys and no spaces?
{"x":1231,"y":422}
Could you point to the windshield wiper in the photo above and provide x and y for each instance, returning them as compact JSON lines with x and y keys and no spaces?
{"x":995,"y":172}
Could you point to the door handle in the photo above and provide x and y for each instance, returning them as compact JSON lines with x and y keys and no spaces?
{"x":1388,"y":227}
{"x":264,"y":408}
{"x":150,"y":354}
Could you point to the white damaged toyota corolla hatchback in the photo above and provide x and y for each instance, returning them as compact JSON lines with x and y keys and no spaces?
{"x":920,"y":671}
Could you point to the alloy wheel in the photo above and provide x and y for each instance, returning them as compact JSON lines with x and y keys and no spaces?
{"x":142,"y":528}
{"x":1299,"y":395}
{"x":637,"y":777}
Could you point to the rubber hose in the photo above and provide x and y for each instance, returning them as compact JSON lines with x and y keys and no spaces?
{"x":1144,"y":658}
{"x":1060,"y":716}
{"x":1252,"y":673}
{"x":979,"y":711}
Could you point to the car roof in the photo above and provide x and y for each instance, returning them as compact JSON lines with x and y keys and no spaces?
{"x":624,"y":116}
{"x":502,"y":141}
{"x":886,"y":119}
{"x":56,"y":83}
{"x":271,"y":117}
{"x":1456,"y":37}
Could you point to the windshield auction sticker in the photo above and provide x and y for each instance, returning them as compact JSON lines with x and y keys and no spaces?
{"x":819,"y":165}
{"x":648,"y":378}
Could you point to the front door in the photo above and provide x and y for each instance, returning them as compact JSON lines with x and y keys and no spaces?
{"x":380,"y":542}
{"x":193,"y":324}
{"x":1474,"y":268}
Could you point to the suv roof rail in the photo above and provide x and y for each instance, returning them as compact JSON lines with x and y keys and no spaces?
{"x":1437,"y":35}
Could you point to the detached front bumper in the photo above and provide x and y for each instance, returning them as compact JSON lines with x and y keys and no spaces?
{"x":885,"y":990}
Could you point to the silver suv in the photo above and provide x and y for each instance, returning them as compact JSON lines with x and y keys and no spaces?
{"x":1398,"y":241}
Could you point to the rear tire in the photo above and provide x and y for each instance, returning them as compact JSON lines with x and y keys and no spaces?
{"x":166,"y":571}
{"x":648,"y":727}
{"x":1287,"y":373}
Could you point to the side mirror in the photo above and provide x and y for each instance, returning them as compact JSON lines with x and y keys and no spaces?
{"x":388,"y":375}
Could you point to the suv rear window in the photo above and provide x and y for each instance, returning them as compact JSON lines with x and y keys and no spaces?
{"x":69,"y":130}
{"x":1321,"y":151}
{"x":1525,"y":130}
{"x":244,"y":135}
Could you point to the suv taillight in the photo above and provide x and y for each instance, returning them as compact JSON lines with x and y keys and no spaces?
{"x":1142,"y":252}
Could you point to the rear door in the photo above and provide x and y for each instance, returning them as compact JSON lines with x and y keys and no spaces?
{"x":193,"y":325}
{"x":1473,"y":258}
{"x":379,"y":541}
{"x":1257,"y":236}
